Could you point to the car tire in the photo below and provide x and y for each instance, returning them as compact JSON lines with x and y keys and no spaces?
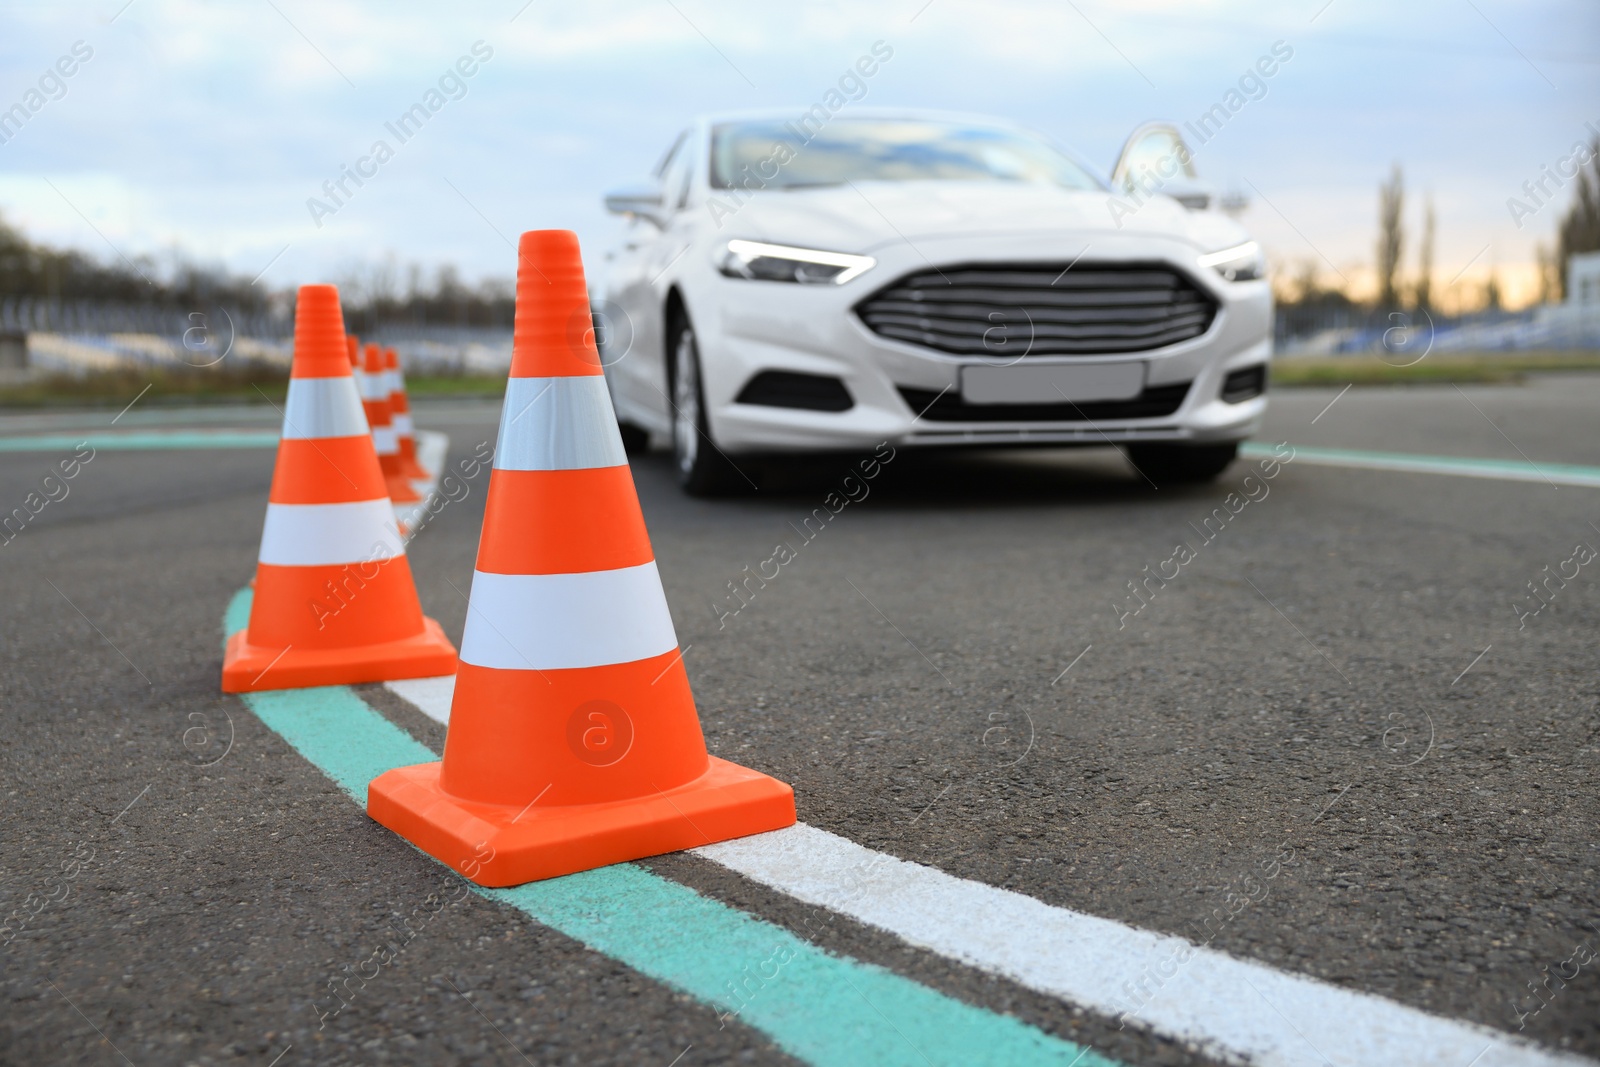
{"x":703,"y":469}
{"x":635,"y":441}
{"x":1169,"y":464}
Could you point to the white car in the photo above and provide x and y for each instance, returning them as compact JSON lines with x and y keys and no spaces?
{"x":923,"y":279}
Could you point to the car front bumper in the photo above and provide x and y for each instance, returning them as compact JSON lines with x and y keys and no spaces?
{"x":745,"y":327}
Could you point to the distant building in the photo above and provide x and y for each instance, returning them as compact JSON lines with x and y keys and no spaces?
{"x":1583,"y":279}
{"x":1575,"y":323}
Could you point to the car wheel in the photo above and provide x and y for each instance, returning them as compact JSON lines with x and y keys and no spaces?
{"x":1167,"y":464}
{"x":702,"y":468}
{"x":635,"y":441}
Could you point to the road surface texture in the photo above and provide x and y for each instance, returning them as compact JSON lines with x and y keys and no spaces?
{"x":1343,"y":699}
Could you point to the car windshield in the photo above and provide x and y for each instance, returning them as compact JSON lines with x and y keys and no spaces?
{"x":774,"y":154}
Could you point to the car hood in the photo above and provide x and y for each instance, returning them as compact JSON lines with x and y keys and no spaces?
{"x":867,"y":215}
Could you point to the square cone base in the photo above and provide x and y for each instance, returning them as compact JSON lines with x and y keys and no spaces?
{"x":248,"y":668}
{"x":499,"y":845}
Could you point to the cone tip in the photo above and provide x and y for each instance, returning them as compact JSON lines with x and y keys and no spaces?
{"x":320,"y":297}
{"x":553,"y":334}
{"x":320,"y":347}
{"x":542,"y":244}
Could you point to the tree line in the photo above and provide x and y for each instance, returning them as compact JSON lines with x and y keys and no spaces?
{"x":1577,"y":231}
{"x":374,"y":295}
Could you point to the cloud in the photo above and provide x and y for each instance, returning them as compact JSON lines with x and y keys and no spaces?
{"x":208,"y":126}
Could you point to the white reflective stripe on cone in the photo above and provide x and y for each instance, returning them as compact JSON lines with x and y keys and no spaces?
{"x":559,"y":621}
{"x":318,"y":535}
{"x":384,"y":440}
{"x":373,"y":387}
{"x":401,"y":421}
{"x":558,"y":424}
{"x":323,"y":407}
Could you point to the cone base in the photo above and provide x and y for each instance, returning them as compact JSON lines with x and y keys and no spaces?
{"x":248,"y":668}
{"x":534,"y":843}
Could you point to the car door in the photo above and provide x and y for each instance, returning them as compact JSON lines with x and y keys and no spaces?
{"x":631,"y":312}
{"x":1156,"y":158}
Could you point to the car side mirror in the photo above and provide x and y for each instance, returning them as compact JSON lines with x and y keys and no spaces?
{"x":642,"y":200}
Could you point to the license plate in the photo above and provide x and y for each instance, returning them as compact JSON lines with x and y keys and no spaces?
{"x":1051,"y":383}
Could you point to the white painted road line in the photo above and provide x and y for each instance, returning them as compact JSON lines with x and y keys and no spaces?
{"x":1233,"y":1009}
{"x":1499,"y":469}
{"x":431,"y":449}
{"x":431,"y":696}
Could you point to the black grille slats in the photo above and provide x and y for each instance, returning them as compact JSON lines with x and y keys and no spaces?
{"x":1007,"y":310}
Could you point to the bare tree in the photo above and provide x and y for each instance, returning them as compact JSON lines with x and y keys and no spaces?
{"x":1549,"y":273}
{"x":383,"y":281}
{"x":1580,"y":227}
{"x":1424,"y":289}
{"x":1307,"y":287}
{"x":1391,"y":238}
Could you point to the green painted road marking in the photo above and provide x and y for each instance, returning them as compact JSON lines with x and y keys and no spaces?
{"x":143,"y":442}
{"x":1503,"y":469}
{"x":824,"y":1009}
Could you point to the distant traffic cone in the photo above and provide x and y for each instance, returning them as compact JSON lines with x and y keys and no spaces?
{"x":334,"y":601}
{"x":375,"y":399}
{"x":573,"y":738}
{"x":400,"y":415}
{"x":357,"y":372}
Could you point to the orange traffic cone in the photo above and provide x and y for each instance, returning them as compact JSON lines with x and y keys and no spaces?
{"x":400,"y":408}
{"x":334,"y":600}
{"x":357,"y":373}
{"x":573,"y":738}
{"x":375,"y":399}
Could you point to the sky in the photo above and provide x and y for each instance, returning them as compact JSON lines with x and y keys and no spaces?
{"x":202,"y":130}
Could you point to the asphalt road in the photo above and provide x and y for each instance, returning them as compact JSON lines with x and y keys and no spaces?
{"x":951,"y":671}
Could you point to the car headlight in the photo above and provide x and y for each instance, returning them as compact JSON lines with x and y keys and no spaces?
{"x":1241,"y":263}
{"x":782,"y":263}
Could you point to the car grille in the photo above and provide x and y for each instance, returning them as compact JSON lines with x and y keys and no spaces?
{"x":1033,"y":309}
{"x":1155,"y":402}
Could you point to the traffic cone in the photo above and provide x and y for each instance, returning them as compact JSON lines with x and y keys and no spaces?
{"x":357,"y":372}
{"x":375,"y":399}
{"x":400,"y":408}
{"x":334,"y":601}
{"x":573,"y":738}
